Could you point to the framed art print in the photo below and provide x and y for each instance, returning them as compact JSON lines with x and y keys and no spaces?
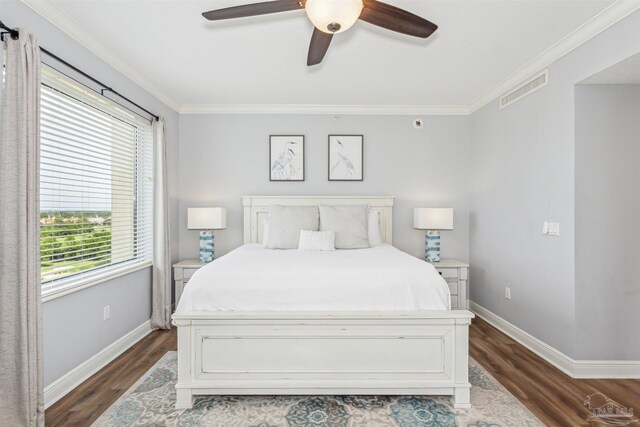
{"x":345,"y":158}
{"x":286,"y":158}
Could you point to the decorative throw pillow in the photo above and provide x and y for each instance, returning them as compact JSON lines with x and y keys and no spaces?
{"x":285,"y":223}
{"x":375,"y":239}
{"x":351,"y":224}
{"x":317,"y":240}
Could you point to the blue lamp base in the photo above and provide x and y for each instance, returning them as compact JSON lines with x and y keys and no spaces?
{"x":206,"y":246}
{"x":432,"y":246}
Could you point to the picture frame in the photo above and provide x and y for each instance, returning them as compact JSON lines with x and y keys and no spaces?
{"x":346,"y":158}
{"x":286,"y":158}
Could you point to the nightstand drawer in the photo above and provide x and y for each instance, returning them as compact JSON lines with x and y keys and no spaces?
{"x":456,"y":274}
{"x":188,"y":272}
{"x":448,"y":273}
{"x":453,"y":287}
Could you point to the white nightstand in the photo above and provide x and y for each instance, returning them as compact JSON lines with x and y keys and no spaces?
{"x":182,"y":272}
{"x":456,"y":273}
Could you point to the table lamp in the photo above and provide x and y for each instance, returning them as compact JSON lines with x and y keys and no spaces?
{"x":206,"y":219}
{"x":433,"y":220}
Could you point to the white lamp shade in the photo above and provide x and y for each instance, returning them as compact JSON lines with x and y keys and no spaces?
{"x":433,"y":218}
{"x":324,"y":13}
{"x":206,"y":218}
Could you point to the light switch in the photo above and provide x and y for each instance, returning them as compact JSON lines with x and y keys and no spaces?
{"x":551,"y":228}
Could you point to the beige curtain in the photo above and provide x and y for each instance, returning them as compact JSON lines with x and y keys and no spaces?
{"x":21,"y":379}
{"x":161,"y":291}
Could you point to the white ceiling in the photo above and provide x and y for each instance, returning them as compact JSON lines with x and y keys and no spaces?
{"x":626,"y":72}
{"x":262,"y":60}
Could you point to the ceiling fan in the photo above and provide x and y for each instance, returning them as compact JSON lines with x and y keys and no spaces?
{"x":330,"y":17}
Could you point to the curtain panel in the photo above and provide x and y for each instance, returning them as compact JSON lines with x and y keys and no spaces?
{"x":161,"y":288}
{"x":21,"y":377}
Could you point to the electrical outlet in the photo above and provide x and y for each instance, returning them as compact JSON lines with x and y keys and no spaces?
{"x":507,"y":293}
{"x":106,"y":312}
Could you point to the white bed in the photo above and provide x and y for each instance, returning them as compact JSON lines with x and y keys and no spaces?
{"x":252,"y":278}
{"x":364,"y":321}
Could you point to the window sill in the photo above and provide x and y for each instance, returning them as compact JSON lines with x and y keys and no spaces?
{"x":75,"y":284}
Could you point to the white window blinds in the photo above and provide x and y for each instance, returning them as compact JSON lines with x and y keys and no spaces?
{"x":95,"y":180}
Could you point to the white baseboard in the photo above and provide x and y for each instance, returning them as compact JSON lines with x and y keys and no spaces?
{"x":606,"y":369}
{"x":63,"y":385}
{"x":573,"y":368}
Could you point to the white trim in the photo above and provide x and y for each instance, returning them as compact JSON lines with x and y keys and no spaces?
{"x":63,"y":385}
{"x":611,"y":15}
{"x":542,"y":349}
{"x":573,"y":368}
{"x":600,"y":22}
{"x":606,"y":369}
{"x":382,"y":110}
{"x":74,"y":29}
{"x":77,"y":283}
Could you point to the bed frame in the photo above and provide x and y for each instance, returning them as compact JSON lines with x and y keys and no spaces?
{"x":331,"y":353}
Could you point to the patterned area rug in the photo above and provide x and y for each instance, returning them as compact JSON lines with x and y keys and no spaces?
{"x":150,"y":402}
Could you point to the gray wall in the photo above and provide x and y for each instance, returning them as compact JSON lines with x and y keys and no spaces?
{"x":607,"y":190}
{"x":523,"y":174}
{"x":225,"y":157}
{"x":73,"y":326}
{"x":129,"y":296}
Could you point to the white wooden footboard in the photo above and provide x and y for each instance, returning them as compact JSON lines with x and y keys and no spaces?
{"x":394,"y":353}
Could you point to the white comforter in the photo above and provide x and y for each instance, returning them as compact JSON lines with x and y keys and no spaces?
{"x":252,"y":278}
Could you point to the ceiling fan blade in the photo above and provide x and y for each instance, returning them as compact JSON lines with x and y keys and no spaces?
{"x":320,"y":42}
{"x":254,"y":9}
{"x":396,"y":19}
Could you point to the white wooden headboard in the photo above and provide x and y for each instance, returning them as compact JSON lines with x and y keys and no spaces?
{"x":256,"y":209}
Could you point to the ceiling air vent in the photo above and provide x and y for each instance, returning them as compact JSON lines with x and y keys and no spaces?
{"x":525,"y":89}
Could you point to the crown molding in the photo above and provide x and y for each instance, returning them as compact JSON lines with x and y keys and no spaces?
{"x":381,"y":110}
{"x":594,"y":26}
{"x":600,"y":22}
{"x":70,"y":26}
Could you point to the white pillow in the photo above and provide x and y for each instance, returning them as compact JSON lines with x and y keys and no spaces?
{"x":285,"y":223}
{"x":375,"y":239}
{"x":351,"y":224}
{"x":317,"y":240}
{"x":374,"y":229}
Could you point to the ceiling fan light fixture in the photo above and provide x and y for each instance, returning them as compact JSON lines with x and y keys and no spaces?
{"x":333,"y":16}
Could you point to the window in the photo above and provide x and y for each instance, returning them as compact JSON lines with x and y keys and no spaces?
{"x":95,"y":185}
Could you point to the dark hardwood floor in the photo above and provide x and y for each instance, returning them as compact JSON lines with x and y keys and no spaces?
{"x":552,"y":396}
{"x":84,"y":404}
